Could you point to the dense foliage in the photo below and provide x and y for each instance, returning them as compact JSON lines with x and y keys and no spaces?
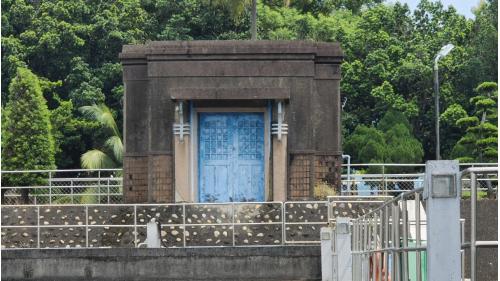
{"x":481,"y":129}
{"x":388,"y":65}
{"x":27,"y":142}
{"x":111,"y":155}
{"x":26,"y":130}
{"x":390,"y":141}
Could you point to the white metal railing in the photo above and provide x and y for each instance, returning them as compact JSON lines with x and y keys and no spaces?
{"x":100,"y":186}
{"x":473,"y":244}
{"x":243,"y":224}
{"x":104,"y":186}
{"x":393,"y":184}
{"x":380,"y":247}
{"x":384,"y":247}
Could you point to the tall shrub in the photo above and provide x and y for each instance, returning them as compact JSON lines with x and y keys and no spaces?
{"x":27,"y":142}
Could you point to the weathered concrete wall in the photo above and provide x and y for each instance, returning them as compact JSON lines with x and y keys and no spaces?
{"x":304,"y":74}
{"x":270,"y":263}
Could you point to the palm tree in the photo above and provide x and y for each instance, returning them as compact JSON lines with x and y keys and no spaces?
{"x":111,"y":154}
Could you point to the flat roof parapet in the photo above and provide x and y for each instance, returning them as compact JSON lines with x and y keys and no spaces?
{"x":332,"y":51}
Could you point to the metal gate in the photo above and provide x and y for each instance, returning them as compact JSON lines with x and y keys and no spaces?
{"x":399,"y":242}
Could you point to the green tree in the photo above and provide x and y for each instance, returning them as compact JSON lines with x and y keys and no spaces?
{"x":388,"y":49}
{"x":354,"y":5}
{"x":401,"y":145}
{"x":481,"y":138}
{"x":27,"y":142}
{"x":366,"y":144}
{"x":450,"y":129}
{"x":111,"y":155}
{"x":391,"y":100}
{"x":237,"y":8}
{"x":391,"y":141}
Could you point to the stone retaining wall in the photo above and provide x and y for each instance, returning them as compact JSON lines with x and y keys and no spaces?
{"x":67,"y":226}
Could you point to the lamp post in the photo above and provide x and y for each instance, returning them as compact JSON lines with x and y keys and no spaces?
{"x":253,"y":27}
{"x":445,"y":50}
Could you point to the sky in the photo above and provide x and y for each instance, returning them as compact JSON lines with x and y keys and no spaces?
{"x":463,"y":7}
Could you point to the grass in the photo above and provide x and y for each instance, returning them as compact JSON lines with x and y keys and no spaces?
{"x":480,"y":194}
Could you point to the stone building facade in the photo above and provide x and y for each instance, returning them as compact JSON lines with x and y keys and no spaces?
{"x":218,"y":121}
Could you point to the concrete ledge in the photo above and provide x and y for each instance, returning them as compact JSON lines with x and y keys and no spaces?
{"x":229,"y":93}
{"x":232,"y":263}
{"x":228,"y":47}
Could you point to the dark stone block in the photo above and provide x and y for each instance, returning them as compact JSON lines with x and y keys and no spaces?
{"x":306,"y":212}
{"x":111,"y":215}
{"x":258,"y":213}
{"x":14,"y":215}
{"x":258,"y":234}
{"x":104,"y":236}
{"x":303,"y":232}
{"x":19,"y":237}
{"x":62,"y":237}
{"x":213,"y":235}
{"x":62,"y":215}
{"x":208,"y":214}
{"x":164,"y":214}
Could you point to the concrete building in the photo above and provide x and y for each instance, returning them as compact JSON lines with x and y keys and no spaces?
{"x":219,"y":121}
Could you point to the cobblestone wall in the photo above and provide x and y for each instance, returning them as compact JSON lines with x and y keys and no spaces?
{"x":68,"y":226}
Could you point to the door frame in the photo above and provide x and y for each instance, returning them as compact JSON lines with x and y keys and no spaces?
{"x":195,"y":143}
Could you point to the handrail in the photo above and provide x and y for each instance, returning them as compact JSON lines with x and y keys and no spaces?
{"x":61,"y":170}
{"x":352,"y":164}
{"x":473,"y":171}
{"x":392,"y":201}
{"x":478,"y":170}
{"x":234,"y":219}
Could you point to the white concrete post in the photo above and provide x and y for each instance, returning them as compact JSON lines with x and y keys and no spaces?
{"x":342,"y":250}
{"x":327,"y":254}
{"x":442,"y":193}
{"x":153,"y":235}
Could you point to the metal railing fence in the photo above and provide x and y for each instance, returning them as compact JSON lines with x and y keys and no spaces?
{"x":394,"y":168}
{"x":381,"y":245}
{"x":79,"y":186}
{"x":244,"y":224}
{"x":384,"y":247}
{"x":394,"y":184}
{"x":473,"y":244}
{"x":105,"y":186}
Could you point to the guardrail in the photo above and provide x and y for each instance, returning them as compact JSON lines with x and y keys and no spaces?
{"x":383,"y":247}
{"x":394,"y":184}
{"x":182,"y":224}
{"x":80,"y":186}
{"x":105,"y":186}
{"x":377,"y":240}
{"x":473,"y":244}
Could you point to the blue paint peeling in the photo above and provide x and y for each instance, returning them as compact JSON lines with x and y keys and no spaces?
{"x":231,"y":157}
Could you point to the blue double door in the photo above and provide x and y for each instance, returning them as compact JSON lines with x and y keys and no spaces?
{"x":231,"y":157}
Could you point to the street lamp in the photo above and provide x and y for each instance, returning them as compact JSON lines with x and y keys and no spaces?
{"x":445,"y":50}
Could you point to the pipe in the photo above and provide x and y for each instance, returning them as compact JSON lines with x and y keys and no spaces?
{"x":344,"y":156}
